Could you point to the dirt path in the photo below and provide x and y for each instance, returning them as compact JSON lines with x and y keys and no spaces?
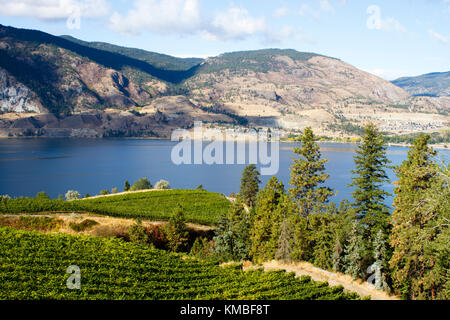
{"x":364,"y":289}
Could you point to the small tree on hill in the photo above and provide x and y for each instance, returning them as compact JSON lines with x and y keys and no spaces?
{"x":137,"y":233}
{"x":42,"y":195}
{"x":285,"y":241}
{"x":249,"y":185}
{"x":176,"y":230}
{"x":127,"y":186}
{"x":162,"y":184}
{"x":141,"y":184}
{"x":72,"y":195}
{"x":380,"y":265}
{"x":353,"y":252}
{"x":232,"y":234}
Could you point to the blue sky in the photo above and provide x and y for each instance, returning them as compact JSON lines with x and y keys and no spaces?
{"x":388,"y":38}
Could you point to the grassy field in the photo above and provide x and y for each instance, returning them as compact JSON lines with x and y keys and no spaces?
{"x":199,"y":206}
{"x":34,"y":266}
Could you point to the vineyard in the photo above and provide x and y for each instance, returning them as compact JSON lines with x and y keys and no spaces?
{"x":33,"y":265}
{"x":198,"y":206}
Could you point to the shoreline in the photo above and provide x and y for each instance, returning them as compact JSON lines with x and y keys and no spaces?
{"x":442,"y":146}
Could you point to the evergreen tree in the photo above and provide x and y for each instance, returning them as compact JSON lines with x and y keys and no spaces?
{"x":322,"y":237}
{"x":420,"y":234}
{"x":176,"y":230}
{"x":285,"y":241}
{"x":307,"y":176}
{"x":127,"y":186}
{"x":369,"y":176}
{"x":353,"y":252}
{"x":249,"y":185}
{"x":380,"y":265}
{"x":338,"y":255}
{"x":345,"y":218}
{"x":266,"y":221}
{"x":232,"y":234}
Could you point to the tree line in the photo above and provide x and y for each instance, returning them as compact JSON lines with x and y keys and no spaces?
{"x":405,"y":251}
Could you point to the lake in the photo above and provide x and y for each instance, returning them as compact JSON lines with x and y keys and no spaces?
{"x":28,"y":166}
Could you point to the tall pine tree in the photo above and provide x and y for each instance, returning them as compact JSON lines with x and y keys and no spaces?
{"x":369,"y":176}
{"x":267,"y":218}
{"x":420,"y":221}
{"x":307,"y":176}
{"x":249,"y":185}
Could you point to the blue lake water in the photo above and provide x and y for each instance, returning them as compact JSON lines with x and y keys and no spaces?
{"x":28,"y":166}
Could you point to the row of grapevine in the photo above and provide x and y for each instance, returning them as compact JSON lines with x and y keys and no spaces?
{"x":33,"y":265}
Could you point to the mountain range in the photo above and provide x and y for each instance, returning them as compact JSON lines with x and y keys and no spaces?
{"x":63,"y":86}
{"x":436,"y":84}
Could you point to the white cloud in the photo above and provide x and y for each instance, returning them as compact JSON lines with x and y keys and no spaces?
{"x":53,"y":9}
{"x":281,"y":12}
{"x":162,"y":17}
{"x":376,"y":22}
{"x":325,"y":5}
{"x":438,"y":37}
{"x":236,"y":23}
{"x":306,"y":10}
{"x":447,"y":4}
{"x":184,"y":17}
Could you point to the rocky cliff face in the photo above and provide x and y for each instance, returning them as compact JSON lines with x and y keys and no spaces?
{"x":16,"y":97}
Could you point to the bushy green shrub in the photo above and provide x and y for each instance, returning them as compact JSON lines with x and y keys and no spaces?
{"x":141,"y":184}
{"x":137,"y":233}
{"x":82,"y":226}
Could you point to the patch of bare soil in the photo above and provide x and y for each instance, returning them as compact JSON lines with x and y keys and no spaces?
{"x":362,"y":288}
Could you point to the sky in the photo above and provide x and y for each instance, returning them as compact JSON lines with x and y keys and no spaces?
{"x":389,"y":38}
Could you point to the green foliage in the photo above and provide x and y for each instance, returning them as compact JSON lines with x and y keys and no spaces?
{"x":38,"y":271}
{"x":307,"y":176}
{"x":83,"y":225}
{"x":203,"y":249}
{"x":257,"y":60}
{"x":266,"y":221}
{"x":176,"y":231}
{"x":435,"y":137}
{"x":42,"y":195}
{"x":137,"y":233}
{"x":285,"y":241}
{"x":380,"y":266}
{"x":249,"y":185}
{"x":199,"y":206}
{"x":369,"y":176}
{"x":114,"y":190}
{"x":126,"y":186}
{"x":104,"y":192}
{"x":141,"y":184}
{"x":420,"y":233}
{"x":354,"y":252}
{"x":232,"y":234}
